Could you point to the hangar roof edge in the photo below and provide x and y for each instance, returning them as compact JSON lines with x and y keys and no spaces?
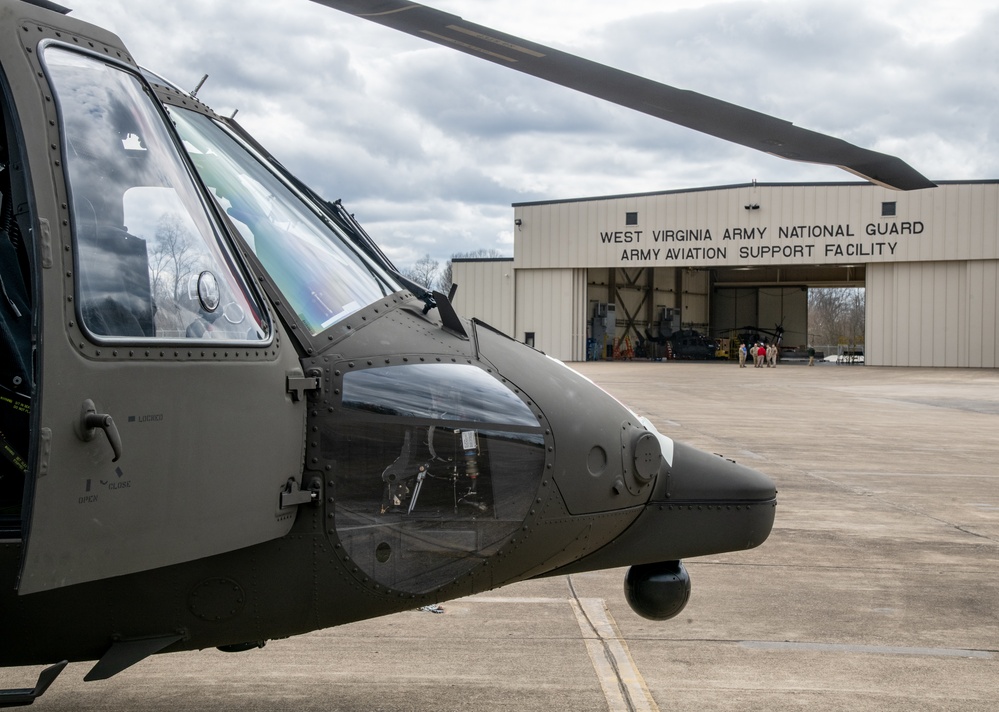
{"x":482,"y":259}
{"x":678,"y":191}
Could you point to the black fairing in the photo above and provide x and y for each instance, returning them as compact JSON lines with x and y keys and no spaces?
{"x":702,"y":504}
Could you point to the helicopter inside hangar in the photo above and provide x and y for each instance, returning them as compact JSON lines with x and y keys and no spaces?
{"x":230,"y":419}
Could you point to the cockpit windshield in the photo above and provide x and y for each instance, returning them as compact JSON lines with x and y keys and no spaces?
{"x":320,"y":274}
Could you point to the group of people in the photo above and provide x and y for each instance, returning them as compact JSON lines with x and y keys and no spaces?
{"x":761,"y":353}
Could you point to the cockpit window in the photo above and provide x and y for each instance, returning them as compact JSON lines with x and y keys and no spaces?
{"x":434,"y":469}
{"x":150,"y":261}
{"x":320,"y":275}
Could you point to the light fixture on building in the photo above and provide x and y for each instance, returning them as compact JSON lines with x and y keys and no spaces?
{"x":753,"y":206}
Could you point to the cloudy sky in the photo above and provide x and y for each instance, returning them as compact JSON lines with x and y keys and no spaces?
{"x":429,"y":147}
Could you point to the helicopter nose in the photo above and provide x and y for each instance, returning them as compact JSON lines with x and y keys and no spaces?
{"x":606,"y":458}
{"x":712,"y":504}
{"x":701,"y":504}
{"x":698,"y":476}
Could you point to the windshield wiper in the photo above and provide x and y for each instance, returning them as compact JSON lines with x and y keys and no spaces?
{"x":348,"y":223}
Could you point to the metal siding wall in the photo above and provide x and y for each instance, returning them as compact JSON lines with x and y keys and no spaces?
{"x":577,"y":347}
{"x":904,"y":337}
{"x":664,"y":289}
{"x":939,"y":314}
{"x":990,"y":316}
{"x":891,"y":317}
{"x":919,"y":298}
{"x":937,"y":249}
{"x":551,"y":302}
{"x":878,"y":341}
{"x":485,"y":291}
{"x":942,"y":297}
{"x":565,"y":242}
{"x":957,"y":354}
{"x":695,"y":298}
{"x":983,"y":313}
{"x":928,"y":287}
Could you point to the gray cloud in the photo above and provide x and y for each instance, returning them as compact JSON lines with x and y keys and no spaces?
{"x":429,"y":147}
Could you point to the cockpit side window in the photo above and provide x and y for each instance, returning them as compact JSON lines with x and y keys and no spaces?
{"x":16,"y":373}
{"x":150,"y":261}
{"x":15,"y":296}
{"x":16,"y":303}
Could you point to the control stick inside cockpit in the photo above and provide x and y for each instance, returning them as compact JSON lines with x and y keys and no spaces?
{"x":419,"y":461}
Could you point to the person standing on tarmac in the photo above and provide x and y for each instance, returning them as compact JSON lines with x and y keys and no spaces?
{"x":742,"y":355}
{"x":811,"y":355}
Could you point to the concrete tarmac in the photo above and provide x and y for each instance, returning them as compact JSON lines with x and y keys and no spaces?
{"x":877,"y":590}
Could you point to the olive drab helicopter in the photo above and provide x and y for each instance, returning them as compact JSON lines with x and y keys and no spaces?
{"x":226,"y":418}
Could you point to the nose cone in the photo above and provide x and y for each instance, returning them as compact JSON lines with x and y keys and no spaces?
{"x":702,"y":504}
{"x":703,"y":478}
{"x":708,"y":504}
{"x":605,"y":458}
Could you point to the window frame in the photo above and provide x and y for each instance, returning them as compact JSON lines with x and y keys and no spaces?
{"x":225,"y":252}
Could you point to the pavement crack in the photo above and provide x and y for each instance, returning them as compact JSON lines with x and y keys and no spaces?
{"x":860,"y":491}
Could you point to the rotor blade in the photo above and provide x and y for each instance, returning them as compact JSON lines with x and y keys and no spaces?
{"x":679,"y":106}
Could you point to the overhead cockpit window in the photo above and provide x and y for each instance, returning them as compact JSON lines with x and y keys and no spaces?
{"x":150,"y":261}
{"x":319,"y":273}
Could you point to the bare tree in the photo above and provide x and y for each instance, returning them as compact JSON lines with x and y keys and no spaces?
{"x":447,"y":274}
{"x":836,"y":316}
{"x":424,"y":271}
{"x":172,"y":257}
{"x":446,"y":279}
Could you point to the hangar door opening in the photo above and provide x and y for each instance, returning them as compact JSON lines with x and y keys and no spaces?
{"x":626,"y":305}
{"x":738,"y":310}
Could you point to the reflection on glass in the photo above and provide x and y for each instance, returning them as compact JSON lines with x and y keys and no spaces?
{"x":318,"y":272}
{"x":438,"y":475}
{"x":440,"y":391}
{"x":141,"y":230}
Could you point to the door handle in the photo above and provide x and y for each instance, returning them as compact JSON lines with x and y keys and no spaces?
{"x":91,"y":420}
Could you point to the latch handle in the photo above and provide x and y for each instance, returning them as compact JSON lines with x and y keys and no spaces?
{"x":298,"y":385}
{"x":292,"y":496}
{"x":91,"y":420}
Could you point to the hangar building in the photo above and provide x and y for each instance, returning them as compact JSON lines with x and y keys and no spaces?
{"x":715,"y":259}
